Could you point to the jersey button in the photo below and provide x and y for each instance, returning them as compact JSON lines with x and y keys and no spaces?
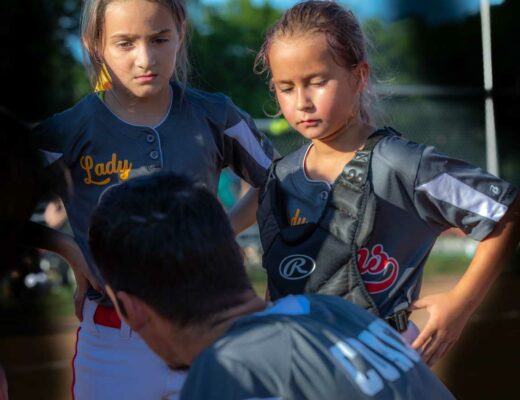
{"x":154,"y":154}
{"x":150,"y":138}
{"x":324,"y":195}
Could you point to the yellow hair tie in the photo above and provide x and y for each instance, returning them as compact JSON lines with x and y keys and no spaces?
{"x":104,"y":81}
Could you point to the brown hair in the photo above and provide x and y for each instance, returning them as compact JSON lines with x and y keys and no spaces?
{"x":343,"y":32}
{"x":92,"y":25}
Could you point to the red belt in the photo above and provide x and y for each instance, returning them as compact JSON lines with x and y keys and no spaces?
{"x":107,"y":316}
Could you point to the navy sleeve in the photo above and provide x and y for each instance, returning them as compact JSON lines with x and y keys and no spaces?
{"x":247,"y":150}
{"x":57,"y":138}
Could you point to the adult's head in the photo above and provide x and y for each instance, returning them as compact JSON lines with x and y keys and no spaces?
{"x":167,"y":252}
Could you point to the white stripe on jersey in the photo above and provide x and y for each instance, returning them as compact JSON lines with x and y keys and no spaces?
{"x":243,"y":134}
{"x":49,"y":157}
{"x":452,"y":191}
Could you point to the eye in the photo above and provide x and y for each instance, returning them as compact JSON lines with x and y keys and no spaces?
{"x":161,"y":40}
{"x":318,"y":83}
{"x":285,"y":89}
{"x":124,"y":45}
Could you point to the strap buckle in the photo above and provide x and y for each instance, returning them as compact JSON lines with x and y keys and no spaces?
{"x":398,"y":320}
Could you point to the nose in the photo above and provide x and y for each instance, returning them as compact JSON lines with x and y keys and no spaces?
{"x":145,"y":56}
{"x":303,"y":100}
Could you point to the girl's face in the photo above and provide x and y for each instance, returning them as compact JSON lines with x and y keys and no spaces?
{"x":140,"y":45}
{"x":318,"y":97}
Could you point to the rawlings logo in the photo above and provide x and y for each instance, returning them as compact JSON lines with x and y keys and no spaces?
{"x":379,"y":265}
{"x":296,"y":266}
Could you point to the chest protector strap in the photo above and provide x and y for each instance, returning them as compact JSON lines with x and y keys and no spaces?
{"x":321,"y":257}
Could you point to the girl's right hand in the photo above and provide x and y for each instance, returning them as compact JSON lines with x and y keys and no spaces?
{"x":83,"y":275}
{"x":72,"y":253}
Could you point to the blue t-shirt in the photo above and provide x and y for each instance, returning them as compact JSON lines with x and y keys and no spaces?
{"x":311,"y":347}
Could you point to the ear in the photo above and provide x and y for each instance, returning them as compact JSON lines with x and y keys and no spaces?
{"x":362,"y":73}
{"x":129,"y":308}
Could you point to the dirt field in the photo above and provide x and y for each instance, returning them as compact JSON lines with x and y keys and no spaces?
{"x":38,"y":366}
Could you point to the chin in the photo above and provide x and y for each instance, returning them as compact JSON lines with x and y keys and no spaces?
{"x":313,"y":135}
{"x":144,"y":92}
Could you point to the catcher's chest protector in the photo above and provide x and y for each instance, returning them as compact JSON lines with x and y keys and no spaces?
{"x":321,"y":257}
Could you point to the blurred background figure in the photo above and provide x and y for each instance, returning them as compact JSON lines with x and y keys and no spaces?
{"x":55,"y":217}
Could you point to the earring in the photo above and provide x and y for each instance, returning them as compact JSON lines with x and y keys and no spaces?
{"x":104,"y":81}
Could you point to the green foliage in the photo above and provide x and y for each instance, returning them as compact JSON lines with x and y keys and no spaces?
{"x":391,"y":52}
{"x":223,"y":47}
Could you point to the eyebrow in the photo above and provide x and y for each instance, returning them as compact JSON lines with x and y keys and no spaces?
{"x":127,"y":35}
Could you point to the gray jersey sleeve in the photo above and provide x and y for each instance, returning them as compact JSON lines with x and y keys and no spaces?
{"x":452,"y":193}
{"x":247,"y":150}
{"x":212,"y":378}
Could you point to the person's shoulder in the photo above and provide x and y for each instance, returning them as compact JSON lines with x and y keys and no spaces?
{"x":397,"y":154}
{"x":75,"y":117}
{"x":246,"y":332}
{"x":291,"y":162}
{"x":394,"y":146}
{"x":212,"y":103}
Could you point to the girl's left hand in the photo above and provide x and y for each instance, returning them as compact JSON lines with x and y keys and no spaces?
{"x":448,"y":316}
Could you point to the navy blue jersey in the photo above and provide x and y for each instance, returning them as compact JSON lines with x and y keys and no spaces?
{"x":311,"y":347}
{"x":420,"y":193}
{"x":201,"y":134}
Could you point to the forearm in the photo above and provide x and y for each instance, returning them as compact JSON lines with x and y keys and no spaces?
{"x":489,"y":259}
{"x":243,"y":214}
{"x":43,"y":237}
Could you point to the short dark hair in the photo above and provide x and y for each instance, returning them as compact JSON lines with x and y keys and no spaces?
{"x":169,"y":242}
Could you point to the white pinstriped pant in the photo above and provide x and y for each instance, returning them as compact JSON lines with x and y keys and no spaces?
{"x":115,"y":363}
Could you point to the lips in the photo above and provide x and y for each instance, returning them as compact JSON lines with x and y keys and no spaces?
{"x":146,"y":77}
{"x":309,"y":122}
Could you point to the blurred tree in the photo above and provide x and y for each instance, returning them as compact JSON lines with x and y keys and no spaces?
{"x":223,"y":47}
{"x":412,"y":50}
{"x":391,"y":51}
{"x":448,"y":53}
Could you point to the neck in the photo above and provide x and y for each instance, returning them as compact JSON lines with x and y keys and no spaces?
{"x":194,"y":339}
{"x":349,"y":139}
{"x":148,"y":111}
{"x":327,"y":157}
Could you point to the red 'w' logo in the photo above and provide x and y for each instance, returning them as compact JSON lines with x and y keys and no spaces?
{"x":379,"y":271}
